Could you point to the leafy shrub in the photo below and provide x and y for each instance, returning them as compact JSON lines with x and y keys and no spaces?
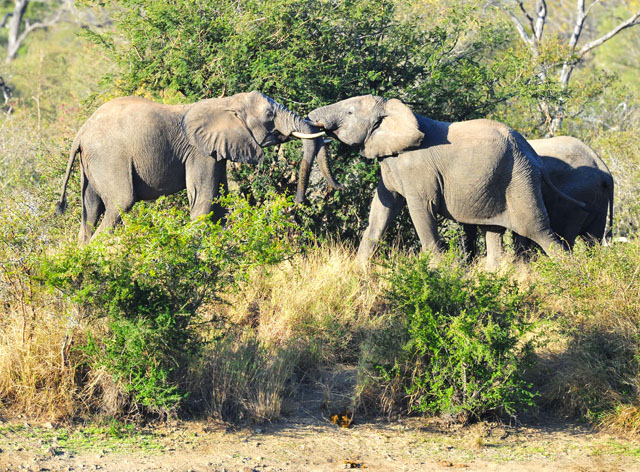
{"x":150,"y":277}
{"x":459,"y":345}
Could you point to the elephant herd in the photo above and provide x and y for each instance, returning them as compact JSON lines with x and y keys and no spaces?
{"x":480,"y":173}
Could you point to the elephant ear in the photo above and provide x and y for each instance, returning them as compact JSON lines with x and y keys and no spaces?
{"x":398,"y":131}
{"x":218,"y":131}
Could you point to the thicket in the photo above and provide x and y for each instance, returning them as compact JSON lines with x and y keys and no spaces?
{"x":209,"y":329}
{"x":460,"y":344}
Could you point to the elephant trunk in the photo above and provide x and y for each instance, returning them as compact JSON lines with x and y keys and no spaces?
{"x":324,"y":163}
{"x":312,"y":147}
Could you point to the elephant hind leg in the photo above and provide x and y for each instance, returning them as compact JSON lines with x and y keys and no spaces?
{"x":92,"y":210}
{"x":113,"y":212}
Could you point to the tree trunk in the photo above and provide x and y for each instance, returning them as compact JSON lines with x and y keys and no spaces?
{"x":14,"y":41}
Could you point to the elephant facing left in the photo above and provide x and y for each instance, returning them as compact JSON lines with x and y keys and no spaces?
{"x":134,"y":149}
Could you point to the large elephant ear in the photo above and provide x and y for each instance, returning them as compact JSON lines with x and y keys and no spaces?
{"x":217,"y":130}
{"x":397,"y":132}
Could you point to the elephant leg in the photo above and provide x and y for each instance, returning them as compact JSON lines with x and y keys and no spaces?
{"x":205,"y":179}
{"x":114,"y":209}
{"x":495,"y":248}
{"x":521,"y":247}
{"x":424,"y":221}
{"x":92,"y":210}
{"x":112,"y":217}
{"x":529,"y":218}
{"x":469,"y":242}
{"x":385,"y":206}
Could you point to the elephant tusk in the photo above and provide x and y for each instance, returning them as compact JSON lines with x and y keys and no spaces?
{"x":327,"y":140}
{"x":308,"y":135}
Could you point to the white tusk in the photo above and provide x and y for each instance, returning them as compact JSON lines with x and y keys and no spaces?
{"x":308,"y":135}
{"x":327,"y":140}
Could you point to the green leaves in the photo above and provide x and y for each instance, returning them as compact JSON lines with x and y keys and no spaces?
{"x":463,"y":340}
{"x":150,"y":277}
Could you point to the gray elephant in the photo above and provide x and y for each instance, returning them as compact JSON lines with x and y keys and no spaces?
{"x":133,"y":149}
{"x":577,"y":171}
{"x":477,"y":172}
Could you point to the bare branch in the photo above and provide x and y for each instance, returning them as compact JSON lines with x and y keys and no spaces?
{"x":538,"y":28}
{"x":15,"y":43}
{"x":526,"y":14}
{"x":577,"y":28}
{"x":5,"y":18}
{"x":520,"y":27}
{"x":591,"y":6}
{"x":634,"y":20}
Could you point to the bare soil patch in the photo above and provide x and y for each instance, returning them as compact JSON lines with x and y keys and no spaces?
{"x":311,"y":442}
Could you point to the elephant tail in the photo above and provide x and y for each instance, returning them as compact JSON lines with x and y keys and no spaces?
{"x":551,"y":185}
{"x":61,"y":204}
{"x":608,"y":236}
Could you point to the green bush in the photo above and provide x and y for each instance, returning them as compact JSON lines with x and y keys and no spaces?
{"x":150,"y":277}
{"x":460,"y":343}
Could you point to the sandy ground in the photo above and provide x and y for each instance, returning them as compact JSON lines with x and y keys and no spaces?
{"x":312,"y":443}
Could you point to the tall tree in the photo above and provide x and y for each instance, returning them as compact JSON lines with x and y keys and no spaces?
{"x":20,"y":27}
{"x":530,"y":24}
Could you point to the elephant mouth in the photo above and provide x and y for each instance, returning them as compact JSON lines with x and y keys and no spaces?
{"x":274,"y":138}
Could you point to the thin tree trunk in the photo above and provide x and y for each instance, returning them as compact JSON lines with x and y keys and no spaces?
{"x":14,"y":42}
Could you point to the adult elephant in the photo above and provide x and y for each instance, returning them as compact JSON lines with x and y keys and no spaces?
{"x":478,"y":172}
{"x":133,"y":149}
{"x":578,"y":171}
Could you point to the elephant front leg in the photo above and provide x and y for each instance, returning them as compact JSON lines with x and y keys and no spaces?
{"x":424,"y":221}
{"x":469,"y":242}
{"x":206,"y":178}
{"x":495,"y":248}
{"x":385,"y":206}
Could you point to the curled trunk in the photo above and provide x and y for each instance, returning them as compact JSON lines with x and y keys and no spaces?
{"x":313,"y":148}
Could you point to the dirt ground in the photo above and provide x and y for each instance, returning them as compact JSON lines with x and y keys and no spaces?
{"x":311,"y":443}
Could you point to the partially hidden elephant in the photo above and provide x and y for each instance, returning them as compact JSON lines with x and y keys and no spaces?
{"x":576,"y":170}
{"x":134,"y":149}
{"x":478,"y":172}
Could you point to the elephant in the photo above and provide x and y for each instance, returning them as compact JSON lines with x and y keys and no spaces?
{"x":476,"y":172}
{"x":134,"y":149}
{"x":576,"y":170}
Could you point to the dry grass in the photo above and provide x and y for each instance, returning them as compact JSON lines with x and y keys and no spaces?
{"x":37,"y":363}
{"x":239,"y":379}
{"x":321,"y":301}
{"x":591,"y":365}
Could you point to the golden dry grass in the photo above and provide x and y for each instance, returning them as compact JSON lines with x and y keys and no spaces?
{"x":38,"y":365}
{"x":321,"y":300}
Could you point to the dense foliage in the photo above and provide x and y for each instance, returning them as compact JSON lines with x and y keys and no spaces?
{"x":150,"y":277}
{"x":307,"y":54}
{"x":461,"y":343}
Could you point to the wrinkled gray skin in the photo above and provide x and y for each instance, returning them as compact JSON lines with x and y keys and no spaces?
{"x":133,"y":149}
{"x":577,"y":171}
{"x":477,"y":172}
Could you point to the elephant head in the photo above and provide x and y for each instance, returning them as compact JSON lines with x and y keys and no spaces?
{"x":377,"y":126}
{"x":239,"y":126}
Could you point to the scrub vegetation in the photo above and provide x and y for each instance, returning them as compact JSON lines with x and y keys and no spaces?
{"x":167,"y":318}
